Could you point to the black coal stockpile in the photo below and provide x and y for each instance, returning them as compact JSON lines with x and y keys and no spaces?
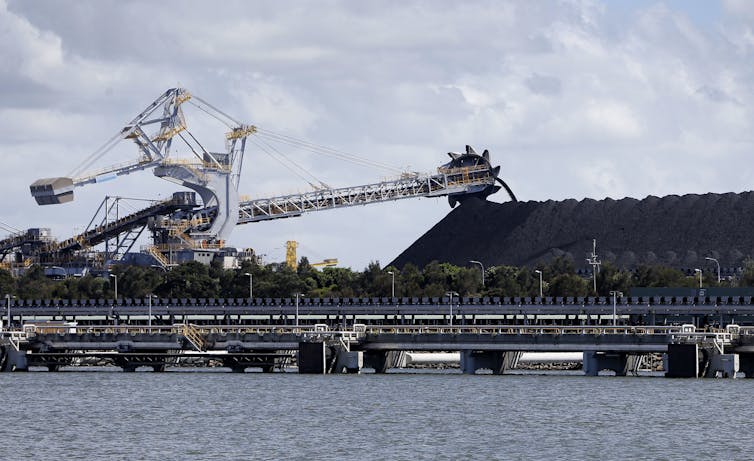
{"x":676,"y":231}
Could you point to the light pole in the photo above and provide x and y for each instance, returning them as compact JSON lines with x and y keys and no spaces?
{"x":8,"y":298}
{"x":718,"y":267}
{"x":595,"y":262}
{"x":700,"y":276}
{"x":450,"y":305}
{"x":615,"y":295}
{"x":540,"y":284}
{"x":393,"y":285}
{"x":251,"y":286}
{"x":297,"y":295}
{"x":115,"y":278}
{"x":482,"y":267}
{"x":149,"y":303}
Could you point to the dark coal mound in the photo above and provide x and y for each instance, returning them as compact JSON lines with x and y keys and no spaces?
{"x":676,"y":231}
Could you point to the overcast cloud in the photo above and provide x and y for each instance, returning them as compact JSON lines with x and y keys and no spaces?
{"x":573,"y":98}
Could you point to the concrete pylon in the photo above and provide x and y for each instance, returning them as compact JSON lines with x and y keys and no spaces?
{"x":723,"y":365}
{"x":619,"y":362}
{"x":496,"y":361}
{"x":312,"y":357}
{"x":348,"y":361}
{"x":746,"y":364}
{"x":682,"y":361}
{"x":15,"y":360}
{"x":381,"y":361}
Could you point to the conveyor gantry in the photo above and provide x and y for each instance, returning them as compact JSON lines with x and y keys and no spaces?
{"x":447,"y":182}
{"x":97,"y":235}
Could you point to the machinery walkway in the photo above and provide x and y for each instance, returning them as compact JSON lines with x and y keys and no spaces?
{"x":689,"y":352}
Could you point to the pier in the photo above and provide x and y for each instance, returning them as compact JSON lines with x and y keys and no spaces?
{"x":687,"y":351}
{"x":697,"y":336}
{"x":701,"y":311}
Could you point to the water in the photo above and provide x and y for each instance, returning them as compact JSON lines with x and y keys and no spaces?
{"x":224,"y":416}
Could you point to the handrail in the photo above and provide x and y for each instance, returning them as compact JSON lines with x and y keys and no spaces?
{"x":15,"y":337}
{"x":593,"y":330}
{"x":191,"y":333}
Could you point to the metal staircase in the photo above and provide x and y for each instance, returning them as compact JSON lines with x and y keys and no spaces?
{"x":155,"y":252}
{"x":191,"y":333}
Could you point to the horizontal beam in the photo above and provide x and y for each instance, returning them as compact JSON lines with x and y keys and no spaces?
{"x":381,"y":309}
{"x":529,"y":347}
{"x":452,"y":182}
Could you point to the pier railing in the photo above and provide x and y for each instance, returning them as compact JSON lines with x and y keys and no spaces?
{"x":358,"y":330}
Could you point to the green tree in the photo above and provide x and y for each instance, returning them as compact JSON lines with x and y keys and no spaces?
{"x":7,"y":283}
{"x":87,"y":287}
{"x":374,"y":281}
{"x":280,"y":282}
{"x":528,"y":282}
{"x":34,"y":285}
{"x":190,"y":280}
{"x":336,"y":282}
{"x":558,"y":266}
{"x":660,"y":276}
{"x":502,"y":281}
{"x":568,"y":285}
{"x":136,"y":281}
{"x":610,"y":278}
{"x":409,"y":281}
{"x":435,"y":277}
{"x":747,"y":278}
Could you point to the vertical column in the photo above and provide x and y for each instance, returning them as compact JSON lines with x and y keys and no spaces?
{"x":312,"y":358}
{"x":746,"y":364}
{"x":496,"y":361}
{"x":594,"y":362}
{"x":381,"y":361}
{"x":591,"y":364}
{"x":13,"y":360}
{"x":348,"y":361}
{"x":376,"y":360}
{"x":683,"y":361}
{"x":723,"y":365}
{"x":469,"y":362}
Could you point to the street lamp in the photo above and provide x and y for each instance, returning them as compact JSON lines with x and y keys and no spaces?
{"x":8,"y":297}
{"x":115,"y":277}
{"x":450,"y":305}
{"x":393,"y":285}
{"x":718,"y":266}
{"x":149,"y":303}
{"x":540,"y":284}
{"x":615,"y":295}
{"x":700,"y":276}
{"x":482,"y":267}
{"x":251,"y":286}
{"x":297,"y":295}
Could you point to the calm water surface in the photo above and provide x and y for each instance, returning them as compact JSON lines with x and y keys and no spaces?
{"x":197,"y":416}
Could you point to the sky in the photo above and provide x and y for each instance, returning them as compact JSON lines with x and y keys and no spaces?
{"x":573,"y":99}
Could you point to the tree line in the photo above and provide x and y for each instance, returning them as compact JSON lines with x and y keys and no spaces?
{"x":276,"y":280}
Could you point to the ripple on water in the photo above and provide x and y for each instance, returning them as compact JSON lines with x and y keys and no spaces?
{"x":188,"y":416}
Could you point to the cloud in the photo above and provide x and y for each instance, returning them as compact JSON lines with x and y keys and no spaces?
{"x":543,"y":84}
{"x":740,"y":9}
{"x":573,"y":98}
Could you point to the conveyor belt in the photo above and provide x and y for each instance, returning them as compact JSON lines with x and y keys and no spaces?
{"x":107,"y":231}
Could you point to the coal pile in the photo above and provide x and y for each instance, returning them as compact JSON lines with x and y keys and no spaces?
{"x":676,"y":231}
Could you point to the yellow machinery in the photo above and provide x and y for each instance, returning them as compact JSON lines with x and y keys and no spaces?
{"x":330,"y":262}
{"x":290,"y":254}
{"x":291,"y":259}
